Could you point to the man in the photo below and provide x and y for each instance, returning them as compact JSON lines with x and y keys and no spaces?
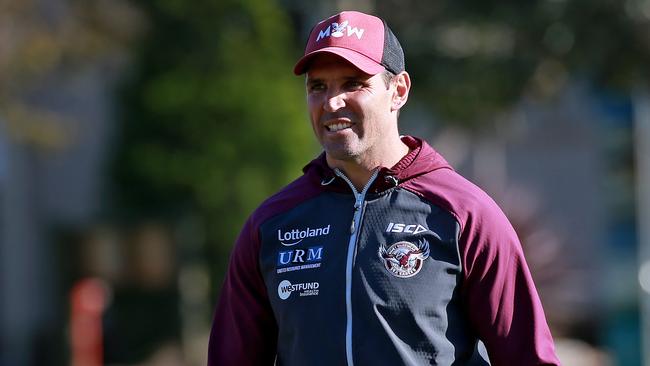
{"x":380,"y":254}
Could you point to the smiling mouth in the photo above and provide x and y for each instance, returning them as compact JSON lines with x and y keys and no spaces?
{"x":338,"y":126}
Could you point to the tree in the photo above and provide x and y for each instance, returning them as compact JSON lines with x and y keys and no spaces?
{"x":213,"y":118}
{"x":475,"y":59}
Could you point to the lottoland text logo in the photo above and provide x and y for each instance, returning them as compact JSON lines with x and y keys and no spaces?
{"x":295,"y":236}
{"x":285,"y":288}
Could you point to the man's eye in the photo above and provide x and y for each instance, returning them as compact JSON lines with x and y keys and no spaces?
{"x":353,"y":84}
{"x":314,"y":88}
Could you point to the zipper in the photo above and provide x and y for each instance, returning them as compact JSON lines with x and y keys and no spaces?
{"x":359,"y":199}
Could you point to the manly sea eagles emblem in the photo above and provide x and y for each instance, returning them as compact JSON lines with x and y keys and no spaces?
{"x":404,"y":259}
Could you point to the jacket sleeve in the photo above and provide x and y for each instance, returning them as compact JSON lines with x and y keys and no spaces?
{"x":499,"y":294}
{"x":244,"y":330}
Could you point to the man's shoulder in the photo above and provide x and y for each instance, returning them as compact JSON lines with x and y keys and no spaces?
{"x":452,"y":191}
{"x":482,"y":223}
{"x":301,"y":189}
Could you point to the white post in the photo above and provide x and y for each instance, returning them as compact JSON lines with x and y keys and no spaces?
{"x":641,"y":103}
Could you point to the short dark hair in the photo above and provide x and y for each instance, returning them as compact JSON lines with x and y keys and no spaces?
{"x":387,"y":76}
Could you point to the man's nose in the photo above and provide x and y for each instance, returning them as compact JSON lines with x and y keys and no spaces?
{"x":334,"y":102}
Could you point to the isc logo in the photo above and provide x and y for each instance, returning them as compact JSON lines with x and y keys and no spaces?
{"x":313,"y":254}
{"x":403,"y":228}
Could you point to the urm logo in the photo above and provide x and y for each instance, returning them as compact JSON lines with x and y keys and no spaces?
{"x":313,"y":254}
{"x":337,"y":30}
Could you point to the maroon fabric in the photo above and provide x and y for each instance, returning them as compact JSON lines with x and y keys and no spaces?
{"x":355,"y":36}
{"x":244,"y":331}
{"x":235,"y":333}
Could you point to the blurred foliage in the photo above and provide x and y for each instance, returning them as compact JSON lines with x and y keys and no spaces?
{"x":472,"y":60}
{"x":214,"y":120}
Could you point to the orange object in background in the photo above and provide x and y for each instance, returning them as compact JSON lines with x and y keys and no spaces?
{"x":88,"y":299}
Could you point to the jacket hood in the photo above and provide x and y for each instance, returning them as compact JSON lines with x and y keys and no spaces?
{"x":421,"y":159}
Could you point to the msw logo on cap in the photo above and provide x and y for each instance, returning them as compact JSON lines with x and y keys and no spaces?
{"x":337,"y":30}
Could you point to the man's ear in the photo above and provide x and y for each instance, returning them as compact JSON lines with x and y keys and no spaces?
{"x":401,"y":94}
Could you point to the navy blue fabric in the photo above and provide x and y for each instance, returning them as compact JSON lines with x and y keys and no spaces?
{"x":403,"y":321}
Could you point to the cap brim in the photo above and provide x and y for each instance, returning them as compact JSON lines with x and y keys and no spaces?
{"x":361,"y":62}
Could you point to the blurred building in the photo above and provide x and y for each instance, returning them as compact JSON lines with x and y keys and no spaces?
{"x":46,"y":183}
{"x":56,"y":125}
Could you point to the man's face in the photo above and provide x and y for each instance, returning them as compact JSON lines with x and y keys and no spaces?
{"x":350,"y":111}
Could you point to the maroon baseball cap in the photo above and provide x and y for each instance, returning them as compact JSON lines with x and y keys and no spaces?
{"x":363,"y":40}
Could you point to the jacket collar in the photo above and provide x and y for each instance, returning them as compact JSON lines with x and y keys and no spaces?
{"x":421,"y":159}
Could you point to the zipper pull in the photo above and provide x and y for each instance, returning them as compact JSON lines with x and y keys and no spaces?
{"x":357,"y":207}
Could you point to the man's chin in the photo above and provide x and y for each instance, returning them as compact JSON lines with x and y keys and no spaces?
{"x":341,"y":154}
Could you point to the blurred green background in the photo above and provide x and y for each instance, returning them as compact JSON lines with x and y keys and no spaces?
{"x":137,"y":136}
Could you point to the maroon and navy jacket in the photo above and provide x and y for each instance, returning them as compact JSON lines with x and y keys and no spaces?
{"x":415,"y":269}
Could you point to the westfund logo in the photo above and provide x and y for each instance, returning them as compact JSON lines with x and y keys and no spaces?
{"x":286,"y":288}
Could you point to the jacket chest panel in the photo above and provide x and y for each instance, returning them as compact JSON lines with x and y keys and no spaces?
{"x":302,"y":260}
{"x":405,"y":261}
{"x":406,"y":245}
{"x":403,"y":244}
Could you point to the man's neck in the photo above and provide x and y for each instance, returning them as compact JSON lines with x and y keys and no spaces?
{"x":360,"y":170}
